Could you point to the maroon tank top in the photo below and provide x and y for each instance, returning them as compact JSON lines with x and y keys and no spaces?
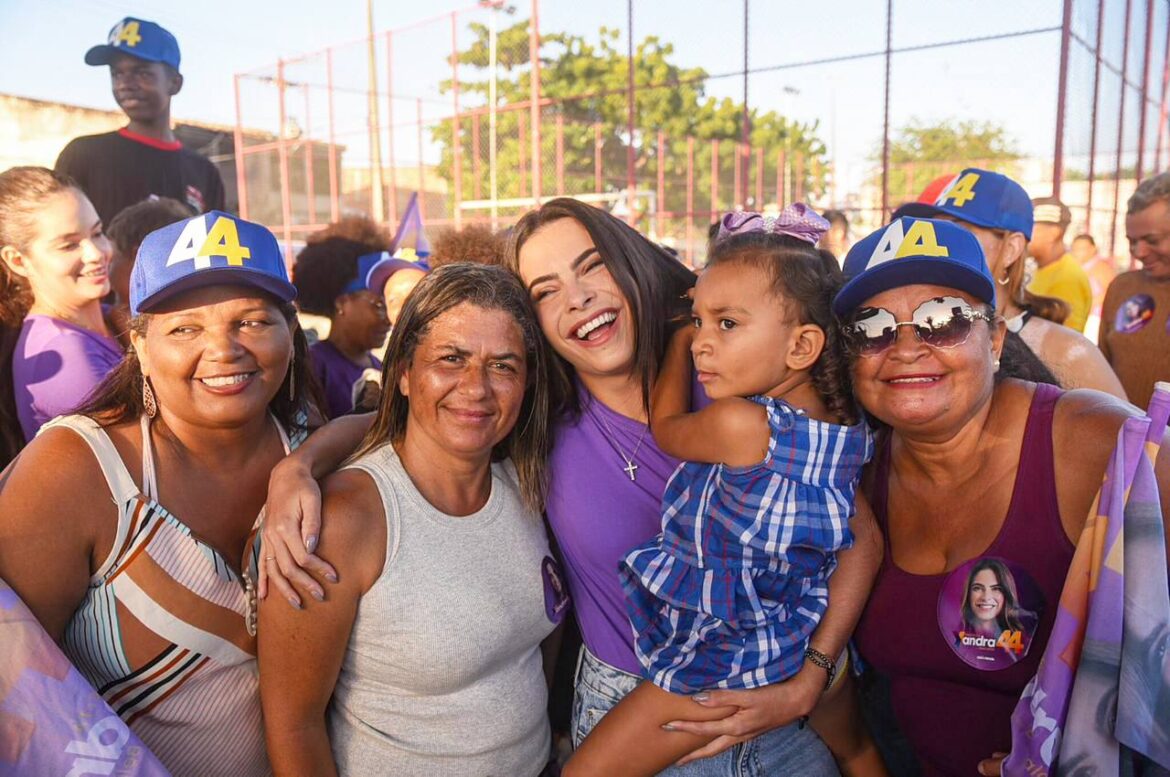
{"x":959,"y":647}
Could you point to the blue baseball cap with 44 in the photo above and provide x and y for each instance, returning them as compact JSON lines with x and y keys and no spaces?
{"x":138,"y":38}
{"x":979,"y":197}
{"x":208,"y":250}
{"x":385,"y":265}
{"x":911,"y":251}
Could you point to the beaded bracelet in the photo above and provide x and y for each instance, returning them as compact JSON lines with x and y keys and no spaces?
{"x":823,"y":661}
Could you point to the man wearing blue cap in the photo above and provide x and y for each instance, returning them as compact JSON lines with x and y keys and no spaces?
{"x":143,"y":159}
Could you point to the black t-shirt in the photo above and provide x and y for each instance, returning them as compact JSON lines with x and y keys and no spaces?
{"x":121,"y":168}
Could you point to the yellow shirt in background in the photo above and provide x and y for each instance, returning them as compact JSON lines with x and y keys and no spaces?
{"x":1064,"y":279}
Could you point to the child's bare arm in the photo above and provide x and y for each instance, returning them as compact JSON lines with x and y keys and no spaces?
{"x":733,"y":431}
{"x":630,"y":741}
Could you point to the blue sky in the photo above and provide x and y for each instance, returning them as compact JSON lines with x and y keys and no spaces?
{"x":1012,"y":81}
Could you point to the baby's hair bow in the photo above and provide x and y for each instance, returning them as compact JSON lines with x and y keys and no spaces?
{"x":796,"y":220}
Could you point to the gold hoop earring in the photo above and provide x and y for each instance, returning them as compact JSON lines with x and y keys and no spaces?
{"x":1004,"y":281}
{"x":149,"y":404}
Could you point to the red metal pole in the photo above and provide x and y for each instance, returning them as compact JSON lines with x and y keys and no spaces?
{"x":334,"y":196}
{"x":1061,"y":95}
{"x":1093,"y":117}
{"x":1120,"y":132}
{"x":886,"y":119}
{"x":1141,"y":149}
{"x":714,"y":180}
{"x":690,"y":200}
{"x":421,"y":172}
{"x":759,"y":179}
{"x":475,"y":155}
{"x":630,"y":110}
{"x":798,"y":174}
{"x":534,"y":97}
{"x":456,"y":138}
{"x":736,"y":183}
{"x":282,"y":155}
{"x":1162,"y":114}
{"x":743,"y":153}
{"x":597,"y":158}
{"x":523,"y":129}
{"x":780,"y":169}
{"x":307,"y":146}
{"x":560,"y":154}
{"x":661,"y":204}
{"x":241,"y":172}
{"x":390,"y":126}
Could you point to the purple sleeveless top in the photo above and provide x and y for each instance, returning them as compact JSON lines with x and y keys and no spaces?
{"x":955,"y":649}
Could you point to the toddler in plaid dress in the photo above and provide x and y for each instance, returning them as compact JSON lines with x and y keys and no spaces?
{"x":729,"y":593}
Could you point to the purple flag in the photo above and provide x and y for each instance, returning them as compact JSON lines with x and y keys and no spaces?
{"x":52,"y":722}
{"x":1100,"y":701}
{"x":410,"y":241}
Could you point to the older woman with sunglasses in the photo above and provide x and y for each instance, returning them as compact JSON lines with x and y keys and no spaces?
{"x":965,"y":472}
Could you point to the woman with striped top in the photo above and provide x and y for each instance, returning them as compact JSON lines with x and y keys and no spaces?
{"x":128,"y":528}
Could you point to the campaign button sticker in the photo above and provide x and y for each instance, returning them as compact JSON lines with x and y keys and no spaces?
{"x":1134,"y":314}
{"x":556,"y":593}
{"x":988,"y":611}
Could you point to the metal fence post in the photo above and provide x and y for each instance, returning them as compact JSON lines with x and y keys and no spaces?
{"x":390,"y":126}
{"x":1120,"y":131}
{"x":534,"y":97}
{"x":886,"y":113}
{"x":597,"y":158}
{"x":690,"y":199}
{"x":334,"y":195}
{"x":714,"y":179}
{"x":560,"y":154}
{"x":282,"y":156}
{"x":661,"y":204}
{"x":307,"y":151}
{"x":241,"y":174}
{"x":1162,"y":110}
{"x":630,"y":110}
{"x":1093,"y":117}
{"x":456,"y":137}
{"x":1062,"y":90}
{"x":422,"y":194}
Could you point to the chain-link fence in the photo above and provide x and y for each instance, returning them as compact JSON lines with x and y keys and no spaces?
{"x":668,"y":114}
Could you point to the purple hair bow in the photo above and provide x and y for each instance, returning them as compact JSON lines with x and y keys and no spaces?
{"x":796,"y":220}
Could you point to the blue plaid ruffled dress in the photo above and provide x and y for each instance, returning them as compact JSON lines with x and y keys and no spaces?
{"x":730,"y":591}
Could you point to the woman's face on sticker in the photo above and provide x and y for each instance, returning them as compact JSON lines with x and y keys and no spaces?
{"x":986,"y":596}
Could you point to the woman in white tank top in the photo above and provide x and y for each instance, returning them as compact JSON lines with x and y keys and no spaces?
{"x":424,"y":658}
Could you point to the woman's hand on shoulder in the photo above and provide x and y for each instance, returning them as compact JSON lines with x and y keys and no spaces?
{"x":292,"y":525}
{"x":760,"y":711}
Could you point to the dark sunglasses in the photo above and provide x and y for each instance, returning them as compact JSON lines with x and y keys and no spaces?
{"x":942,"y":322}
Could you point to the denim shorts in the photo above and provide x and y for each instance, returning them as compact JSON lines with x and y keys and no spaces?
{"x":791,"y":750}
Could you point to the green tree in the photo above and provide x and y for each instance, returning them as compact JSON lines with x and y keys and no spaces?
{"x":921,"y":152}
{"x":586,"y":84}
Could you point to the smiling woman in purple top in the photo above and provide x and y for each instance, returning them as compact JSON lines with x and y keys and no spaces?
{"x":53,"y":275}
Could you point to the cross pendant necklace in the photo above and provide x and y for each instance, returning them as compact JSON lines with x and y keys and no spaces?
{"x":631,"y":468}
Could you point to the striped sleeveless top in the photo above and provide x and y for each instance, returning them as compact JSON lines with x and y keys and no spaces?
{"x":166,"y":632}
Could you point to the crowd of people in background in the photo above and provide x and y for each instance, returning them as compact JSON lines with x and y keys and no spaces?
{"x":548,"y":500}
